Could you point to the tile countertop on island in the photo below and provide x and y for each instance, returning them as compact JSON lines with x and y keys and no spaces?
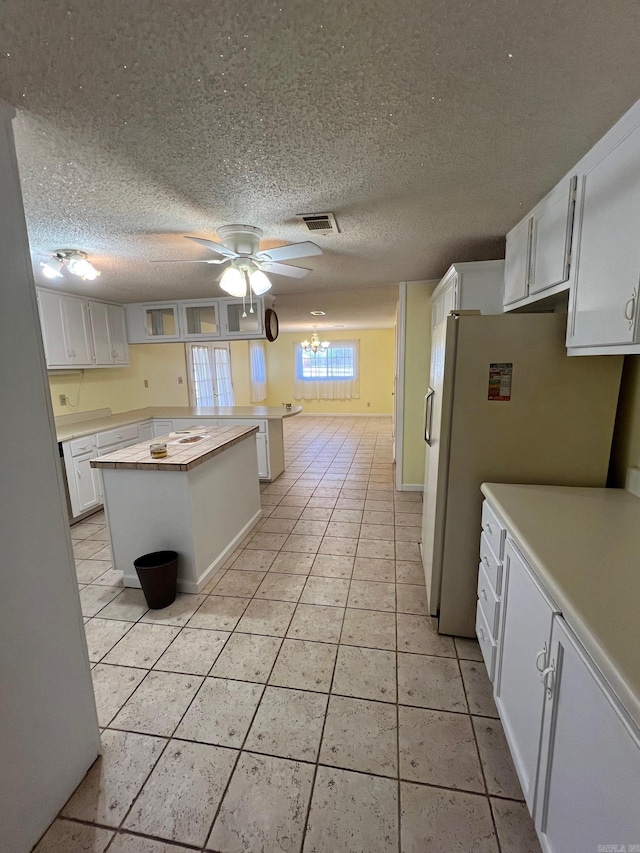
{"x":183,"y":452}
{"x":584,"y":546}
{"x":76,"y":427}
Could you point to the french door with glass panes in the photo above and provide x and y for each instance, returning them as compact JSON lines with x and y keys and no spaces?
{"x":210,"y":381}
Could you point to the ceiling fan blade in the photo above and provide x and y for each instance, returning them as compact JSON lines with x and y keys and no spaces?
{"x":283,"y":269}
{"x":288,"y":253}
{"x":214,"y":247}
{"x":171,"y":261}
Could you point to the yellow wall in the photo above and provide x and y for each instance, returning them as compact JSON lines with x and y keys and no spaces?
{"x":416,"y":377}
{"x":626,"y":439}
{"x":240,"y":373}
{"x":376,"y":373}
{"x":122,"y":388}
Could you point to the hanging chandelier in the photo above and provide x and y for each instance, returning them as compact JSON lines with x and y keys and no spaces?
{"x":315,"y":344}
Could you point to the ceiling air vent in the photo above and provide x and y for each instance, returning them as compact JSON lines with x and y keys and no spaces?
{"x":319,"y":221}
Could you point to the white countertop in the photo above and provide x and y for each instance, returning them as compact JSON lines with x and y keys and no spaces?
{"x":81,"y":427}
{"x":585,"y":547}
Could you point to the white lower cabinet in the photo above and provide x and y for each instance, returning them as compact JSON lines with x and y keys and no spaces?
{"x":575,"y":749}
{"x":86,"y":484}
{"x":145,"y":431}
{"x":522,"y":658}
{"x":589,"y":758}
{"x":162,"y":427}
{"x":263,"y":456}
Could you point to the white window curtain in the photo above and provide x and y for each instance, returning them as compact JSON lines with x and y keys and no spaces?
{"x":330,"y":375}
{"x":258,"y":364}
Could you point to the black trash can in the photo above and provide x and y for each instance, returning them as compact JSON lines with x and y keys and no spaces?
{"x":158,"y":574}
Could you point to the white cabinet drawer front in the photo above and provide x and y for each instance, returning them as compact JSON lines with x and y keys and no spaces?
{"x":488,"y":601}
{"x":491,"y":564}
{"x":494,"y":530}
{"x":487,"y":646}
{"x":82,"y":445}
{"x":116,"y":436}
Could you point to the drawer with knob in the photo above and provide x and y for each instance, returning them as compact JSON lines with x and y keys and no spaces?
{"x":491,"y":565}
{"x":493,"y":529}
{"x":487,"y":644}
{"x":488,"y":601}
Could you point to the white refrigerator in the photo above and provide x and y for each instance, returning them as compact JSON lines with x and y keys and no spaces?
{"x":506,"y":405}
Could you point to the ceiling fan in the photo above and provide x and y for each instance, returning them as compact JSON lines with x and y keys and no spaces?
{"x":247,"y":265}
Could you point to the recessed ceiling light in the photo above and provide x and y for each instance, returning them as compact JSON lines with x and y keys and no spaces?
{"x":318,"y":313}
{"x":338,"y":325}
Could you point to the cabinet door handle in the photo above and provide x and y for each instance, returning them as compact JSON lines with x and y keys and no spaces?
{"x":483,"y":594}
{"x":547,"y":679}
{"x":485,"y":562}
{"x":79,"y":475}
{"x":630,"y":307}
{"x":541,"y":654}
{"x":488,"y":529}
{"x":481,"y":633}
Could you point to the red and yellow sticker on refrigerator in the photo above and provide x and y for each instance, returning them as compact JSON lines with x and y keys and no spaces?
{"x":500,"y":376}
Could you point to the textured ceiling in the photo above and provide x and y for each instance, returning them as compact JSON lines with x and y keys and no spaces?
{"x":428,"y":127}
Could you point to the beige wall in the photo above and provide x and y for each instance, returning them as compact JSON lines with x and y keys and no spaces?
{"x":376,"y":373}
{"x":416,"y":377}
{"x":626,"y":439}
{"x":122,"y":388}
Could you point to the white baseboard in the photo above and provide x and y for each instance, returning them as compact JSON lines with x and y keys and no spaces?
{"x":212,"y":568}
{"x":411,"y":487}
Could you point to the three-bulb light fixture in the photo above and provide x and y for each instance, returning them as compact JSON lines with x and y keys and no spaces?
{"x":242,"y":278}
{"x":75,"y":261}
{"x":315,"y":344}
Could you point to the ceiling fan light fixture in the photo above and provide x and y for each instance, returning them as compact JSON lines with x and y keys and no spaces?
{"x":78,"y":264}
{"x":259,"y":282}
{"x":233,"y":282}
{"x":53,"y":267}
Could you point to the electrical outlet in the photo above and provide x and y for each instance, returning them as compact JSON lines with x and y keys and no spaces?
{"x":146,"y":383}
{"x":179,"y":380}
{"x":63,"y":399}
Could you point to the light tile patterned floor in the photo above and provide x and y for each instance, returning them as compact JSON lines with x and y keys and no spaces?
{"x":303,"y":702}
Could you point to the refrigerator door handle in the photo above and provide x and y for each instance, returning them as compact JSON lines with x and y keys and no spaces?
{"x":428,"y":415}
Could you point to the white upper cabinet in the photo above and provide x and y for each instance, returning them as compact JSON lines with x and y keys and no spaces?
{"x":604,"y":305}
{"x":516,"y":262}
{"x":200,"y":319}
{"x":117,"y":325}
{"x":109,"y":332}
{"x":551,"y":236}
{"x":196,"y":320}
{"x":65,"y":330}
{"x":161,"y":322}
{"x":538,"y":251}
{"x":77,"y":332}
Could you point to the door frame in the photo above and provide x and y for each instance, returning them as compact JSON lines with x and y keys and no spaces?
{"x":190,"y":377}
{"x":398,"y":384}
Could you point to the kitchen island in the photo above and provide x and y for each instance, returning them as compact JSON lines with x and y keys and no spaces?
{"x":86,"y":435}
{"x":201,"y":500}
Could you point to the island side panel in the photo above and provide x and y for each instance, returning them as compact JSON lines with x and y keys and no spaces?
{"x":275,"y":439}
{"x":224,"y":497}
{"x":149,"y":511}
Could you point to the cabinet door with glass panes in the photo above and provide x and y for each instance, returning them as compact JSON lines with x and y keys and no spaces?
{"x":200,"y":319}
{"x":161,"y":321}
{"x":242,"y":318}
